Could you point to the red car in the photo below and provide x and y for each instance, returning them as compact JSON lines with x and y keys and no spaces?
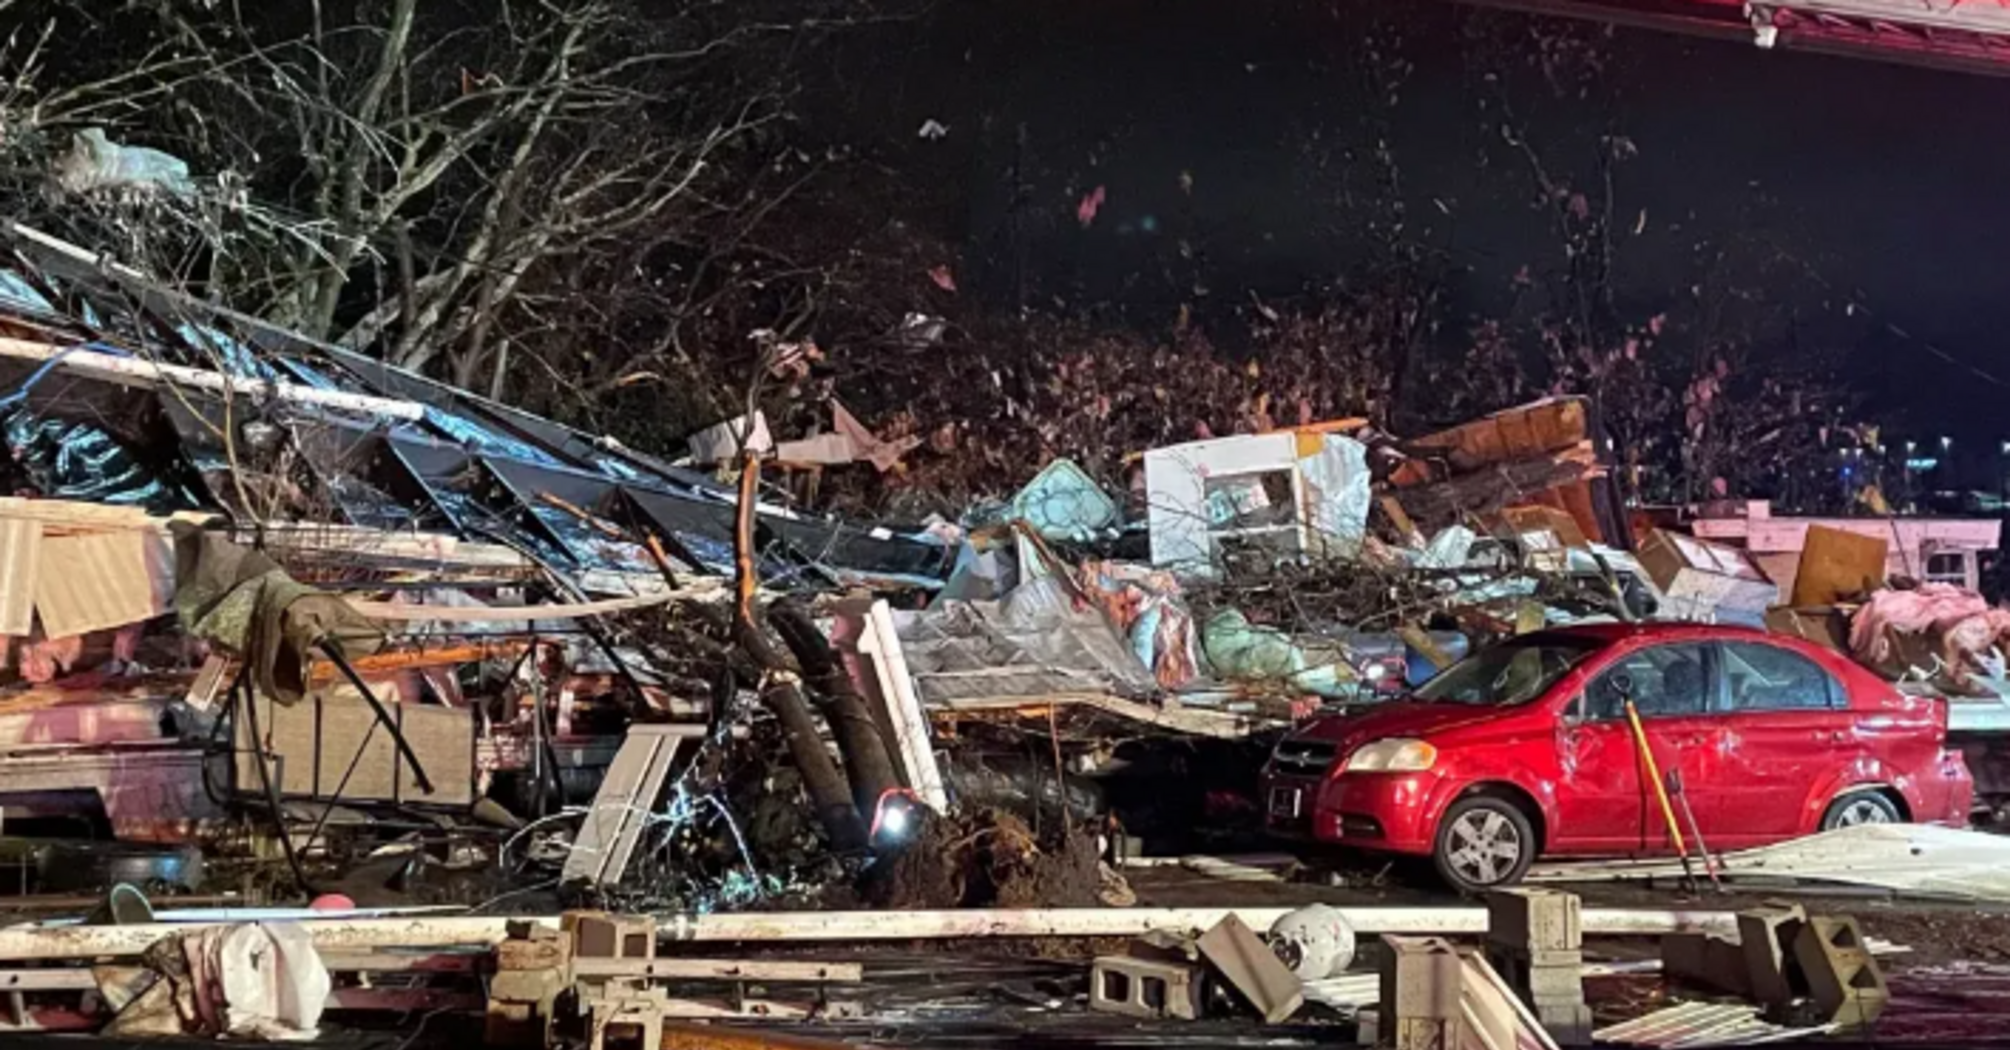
{"x":1524,"y":750}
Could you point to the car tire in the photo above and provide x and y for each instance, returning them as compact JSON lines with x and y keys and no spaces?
{"x":1852,"y":808}
{"x":1483,"y":843}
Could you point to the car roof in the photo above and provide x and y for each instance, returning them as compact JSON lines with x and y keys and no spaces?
{"x":1609,"y":633}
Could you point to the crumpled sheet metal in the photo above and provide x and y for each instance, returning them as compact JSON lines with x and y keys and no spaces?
{"x":240,"y":599}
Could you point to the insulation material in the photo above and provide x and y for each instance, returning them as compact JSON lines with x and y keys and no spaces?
{"x":20,"y":560}
{"x":91,"y":583}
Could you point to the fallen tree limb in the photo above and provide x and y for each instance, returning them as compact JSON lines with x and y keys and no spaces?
{"x":350,"y":935}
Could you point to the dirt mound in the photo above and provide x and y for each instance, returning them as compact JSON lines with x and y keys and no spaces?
{"x":986,"y":859}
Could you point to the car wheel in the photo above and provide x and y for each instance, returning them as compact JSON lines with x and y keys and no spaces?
{"x":1861,"y":807}
{"x":1484,"y":843}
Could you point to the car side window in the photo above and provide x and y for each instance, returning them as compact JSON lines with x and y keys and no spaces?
{"x":1761,"y":677}
{"x":1663,"y":681}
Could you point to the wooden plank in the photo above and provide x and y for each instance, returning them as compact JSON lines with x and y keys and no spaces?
{"x":1838,"y":566}
{"x":913,"y":745}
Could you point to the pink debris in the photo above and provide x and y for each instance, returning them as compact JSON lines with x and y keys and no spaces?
{"x":1091,"y":203}
{"x":943,"y":278}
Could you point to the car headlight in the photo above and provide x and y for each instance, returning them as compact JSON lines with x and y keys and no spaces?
{"x":1393,"y":756}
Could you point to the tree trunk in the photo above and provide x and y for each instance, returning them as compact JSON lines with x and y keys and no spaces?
{"x":783,"y":692}
{"x":865,"y":751}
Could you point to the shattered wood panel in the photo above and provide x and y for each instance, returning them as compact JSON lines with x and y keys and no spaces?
{"x":92,"y":583}
{"x":1517,"y":433}
{"x":20,"y":559}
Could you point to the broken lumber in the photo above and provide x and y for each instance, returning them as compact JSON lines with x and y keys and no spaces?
{"x":79,"y":942}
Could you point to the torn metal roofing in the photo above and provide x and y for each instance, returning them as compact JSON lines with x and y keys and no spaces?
{"x":444,"y":460}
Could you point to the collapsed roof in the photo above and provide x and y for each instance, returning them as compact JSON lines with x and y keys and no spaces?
{"x":123,"y":391}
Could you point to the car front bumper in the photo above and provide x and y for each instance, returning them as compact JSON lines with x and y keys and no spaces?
{"x":1386,"y":812}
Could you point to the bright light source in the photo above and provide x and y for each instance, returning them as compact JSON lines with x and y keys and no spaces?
{"x":895,"y":822}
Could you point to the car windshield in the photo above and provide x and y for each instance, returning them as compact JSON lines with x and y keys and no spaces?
{"x":1508,"y":674}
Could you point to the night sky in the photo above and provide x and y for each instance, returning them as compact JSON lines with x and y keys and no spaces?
{"x":1810,"y":182}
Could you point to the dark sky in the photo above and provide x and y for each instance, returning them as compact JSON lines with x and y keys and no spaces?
{"x":1828,"y":181}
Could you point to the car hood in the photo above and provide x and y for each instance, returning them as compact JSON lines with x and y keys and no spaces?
{"x":1400,"y":718}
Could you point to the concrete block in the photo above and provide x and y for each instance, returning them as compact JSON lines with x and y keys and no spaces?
{"x":1844,"y":980}
{"x":1551,"y":982}
{"x":1420,"y":978}
{"x":1419,"y":1004}
{"x":1704,"y":961}
{"x":1248,"y":965}
{"x":1567,"y":1023}
{"x":633,"y":1022}
{"x":614,"y":937}
{"x":1766,"y":937}
{"x":1153,"y":989}
{"x":1535,"y":920}
{"x":1544,"y":973}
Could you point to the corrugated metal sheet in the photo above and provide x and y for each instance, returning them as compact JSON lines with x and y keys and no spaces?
{"x":1691,"y":1025}
{"x":20,"y":557}
{"x":92,"y":583}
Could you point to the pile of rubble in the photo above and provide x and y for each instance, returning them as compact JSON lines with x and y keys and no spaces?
{"x":285,"y":617}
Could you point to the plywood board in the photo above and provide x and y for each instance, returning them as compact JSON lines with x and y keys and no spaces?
{"x":1838,"y":566}
{"x":20,"y":562}
{"x":97,"y":582}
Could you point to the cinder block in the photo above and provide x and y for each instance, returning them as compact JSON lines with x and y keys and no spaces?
{"x":1548,"y":974}
{"x":1705,"y":961}
{"x":1245,"y":962}
{"x":1766,"y":937}
{"x":541,"y":954}
{"x":628,"y":1022}
{"x":1535,"y":920}
{"x":1551,"y":982}
{"x":1567,"y":1023}
{"x":1420,"y":979}
{"x":614,"y":937}
{"x":1153,"y":989}
{"x":1843,"y":978}
{"x":526,"y":986}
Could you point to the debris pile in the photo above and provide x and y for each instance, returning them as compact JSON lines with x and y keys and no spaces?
{"x":290,"y":614}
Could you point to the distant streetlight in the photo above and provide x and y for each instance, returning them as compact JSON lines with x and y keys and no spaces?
{"x":1945,"y":443}
{"x":1910,"y":448}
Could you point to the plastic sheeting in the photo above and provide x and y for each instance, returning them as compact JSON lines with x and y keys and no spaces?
{"x":97,"y":163}
{"x":1338,"y":493}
